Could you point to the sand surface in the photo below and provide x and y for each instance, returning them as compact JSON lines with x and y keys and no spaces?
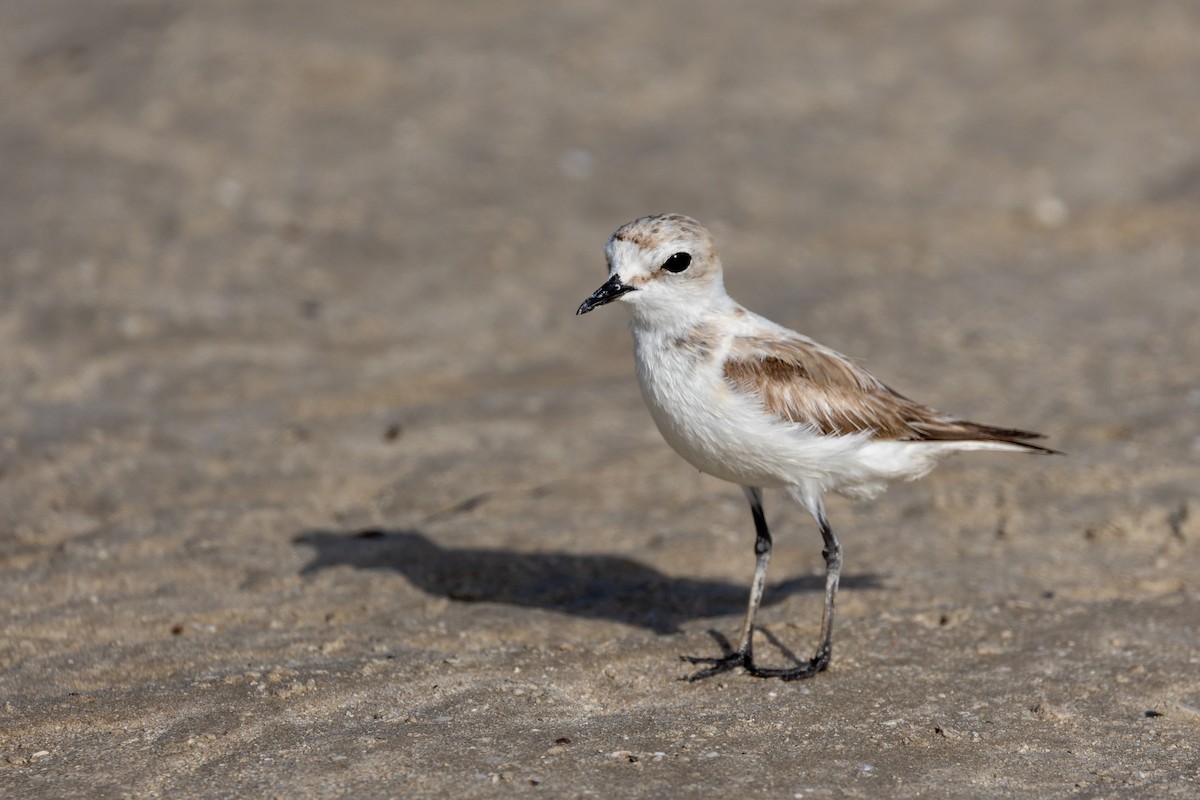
{"x":311,"y":484}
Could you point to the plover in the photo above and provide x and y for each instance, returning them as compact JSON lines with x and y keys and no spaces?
{"x":752,"y":402}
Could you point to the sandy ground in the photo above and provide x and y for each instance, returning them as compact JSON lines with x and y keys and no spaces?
{"x":311,"y":484}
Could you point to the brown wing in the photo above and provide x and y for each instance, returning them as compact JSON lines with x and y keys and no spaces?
{"x":802,"y":382}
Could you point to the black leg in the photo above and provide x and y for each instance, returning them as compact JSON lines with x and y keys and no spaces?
{"x":833,"y":573}
{"x":744,"y":655}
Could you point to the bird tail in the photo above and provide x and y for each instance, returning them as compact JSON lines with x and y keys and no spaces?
{"x":1012,"y":436}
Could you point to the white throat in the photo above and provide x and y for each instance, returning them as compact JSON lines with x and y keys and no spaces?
{"x":680,"y":310}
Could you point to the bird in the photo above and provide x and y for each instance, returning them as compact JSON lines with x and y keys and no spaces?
{"x":754,"y":403}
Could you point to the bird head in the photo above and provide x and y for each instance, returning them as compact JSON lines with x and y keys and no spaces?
{"x":664,"y":267}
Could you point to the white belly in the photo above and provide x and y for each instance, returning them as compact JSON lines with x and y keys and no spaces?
{"x":729,"y":435}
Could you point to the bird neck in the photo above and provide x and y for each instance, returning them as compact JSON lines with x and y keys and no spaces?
{"x":680,"y":318}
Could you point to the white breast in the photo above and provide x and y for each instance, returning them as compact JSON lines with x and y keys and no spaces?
{"x":718,"y":430}
{"x":728,"y":435}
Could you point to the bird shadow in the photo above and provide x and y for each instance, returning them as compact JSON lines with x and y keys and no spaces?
{"x":594,"y":586}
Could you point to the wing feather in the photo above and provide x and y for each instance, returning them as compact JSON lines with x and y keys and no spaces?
{"x":806,"y":383}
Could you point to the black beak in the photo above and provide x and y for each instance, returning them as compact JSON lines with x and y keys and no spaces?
{"x":610,"y":290}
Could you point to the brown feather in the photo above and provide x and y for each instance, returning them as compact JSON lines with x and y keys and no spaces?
{"x":803,"y":382}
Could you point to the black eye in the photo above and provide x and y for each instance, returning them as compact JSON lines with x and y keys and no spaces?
{"x":678,"y":262}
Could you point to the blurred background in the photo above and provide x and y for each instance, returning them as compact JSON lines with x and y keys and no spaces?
{"x":292,"y":386}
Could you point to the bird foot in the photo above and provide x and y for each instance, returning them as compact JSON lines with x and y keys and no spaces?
{"x":715,"y":665}
{"x":736,"y":659}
